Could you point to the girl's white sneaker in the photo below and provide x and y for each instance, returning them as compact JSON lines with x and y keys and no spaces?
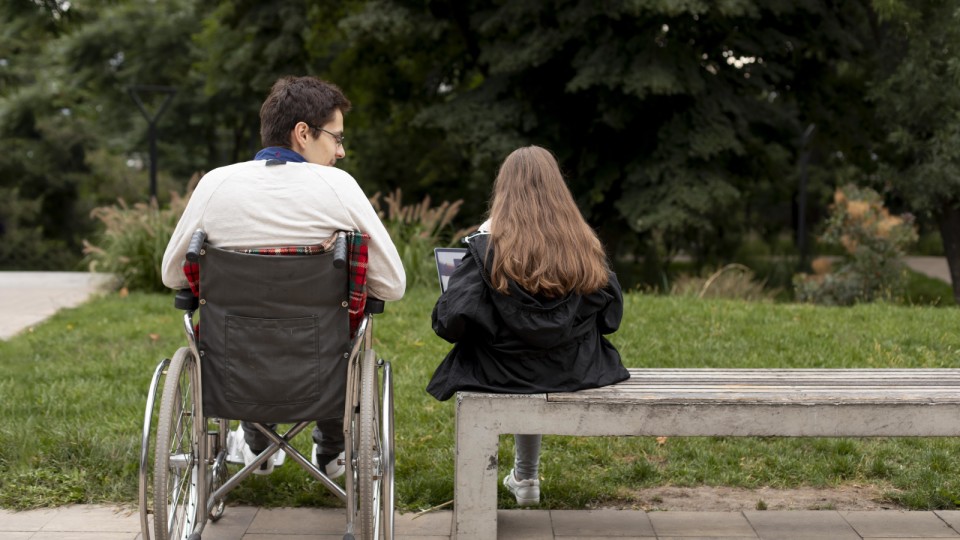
{"x":527,"y":491}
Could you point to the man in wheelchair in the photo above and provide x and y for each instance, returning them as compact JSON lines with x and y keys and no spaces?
{"x":289,"y":200}
{"x":290,"y":195}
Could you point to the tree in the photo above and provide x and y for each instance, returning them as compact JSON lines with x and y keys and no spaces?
{"x":917,"y":99}
{"x":41,"y":155}
{"x":678,"y":120}
{"x":677,"y":124}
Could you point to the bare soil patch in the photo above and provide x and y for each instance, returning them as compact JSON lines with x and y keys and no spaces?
{"x":727,"y":499}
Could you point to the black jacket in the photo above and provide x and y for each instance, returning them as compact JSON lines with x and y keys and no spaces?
{"x":519,"y":343}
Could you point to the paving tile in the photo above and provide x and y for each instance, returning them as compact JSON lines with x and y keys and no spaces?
{"x":10,"y":535}
{"x":593,"y":523}
{"x":705,"y":538}
{"x":278,"y":536}
{"x":234,"y":523}
{"x":429,"y":524}
{"x":291,"y":521}
{"x":94,"y":518}
{"x":27,"y":520}
{"x":703,"y":524}
{"x":951,"y":517}
{"x":524,"y":525}
{"x":83,"y":535}
{"x":898,"y":524}
{"x":800,"y":525}
{"x":609,"y":537}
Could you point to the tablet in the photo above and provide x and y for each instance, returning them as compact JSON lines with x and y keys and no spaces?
{"x":448,"y":259}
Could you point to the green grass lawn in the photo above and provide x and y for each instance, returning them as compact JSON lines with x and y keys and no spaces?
{"x":72,"y":393}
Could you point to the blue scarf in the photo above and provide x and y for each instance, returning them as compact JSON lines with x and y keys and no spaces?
{"x":279,"y":153}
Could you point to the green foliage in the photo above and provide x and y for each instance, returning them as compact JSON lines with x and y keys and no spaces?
{"x":677,"y":124}
{"x":874,"y":242}
{"x":922,"y":290}
{"x":416,"y":229}
{"x":916,"y":95}
{"x":24,"y":246}
{"x":132,"y":241}
{"x":66,"y":118}
{"x":672,"y":120}
{"x":45,"y":487}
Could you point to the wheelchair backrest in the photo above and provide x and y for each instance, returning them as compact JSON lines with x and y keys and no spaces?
{"x":274,"y":336}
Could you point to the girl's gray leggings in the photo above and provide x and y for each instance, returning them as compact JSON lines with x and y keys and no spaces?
{"x":527,"y":457}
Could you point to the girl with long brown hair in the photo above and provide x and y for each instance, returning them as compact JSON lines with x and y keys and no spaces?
{"x":529,"y":305}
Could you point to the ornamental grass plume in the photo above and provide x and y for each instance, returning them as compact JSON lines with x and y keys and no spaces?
{"x":873,"y":242}
{"x":732,"y":281}
{"x":416,"y":229}
{"x":821,"y":266}
{"x":131,"y":239}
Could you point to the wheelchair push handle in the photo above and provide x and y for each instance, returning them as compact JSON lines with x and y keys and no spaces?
{"x":340,"y":250}
{"x":196,"y":242}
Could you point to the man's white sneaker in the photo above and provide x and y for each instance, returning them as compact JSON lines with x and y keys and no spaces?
{"x":249,"y":456}
{"x":333,"y":467}
{"x":527,"y":491}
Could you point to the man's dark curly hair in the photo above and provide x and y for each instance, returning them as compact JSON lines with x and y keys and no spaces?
{"x":298,"y":99}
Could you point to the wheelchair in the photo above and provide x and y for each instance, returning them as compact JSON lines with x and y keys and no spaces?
{"x":273,"y":347}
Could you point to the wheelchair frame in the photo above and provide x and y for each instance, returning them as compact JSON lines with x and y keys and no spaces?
{"x":190,"y":479}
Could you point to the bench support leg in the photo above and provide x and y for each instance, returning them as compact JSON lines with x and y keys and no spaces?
{"x":475,"y":487}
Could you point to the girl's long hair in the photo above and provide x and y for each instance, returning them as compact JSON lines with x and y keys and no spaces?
{"x":539,"y":238}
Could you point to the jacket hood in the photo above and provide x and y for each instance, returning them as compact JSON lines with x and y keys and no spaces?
{"x":539,"y":321}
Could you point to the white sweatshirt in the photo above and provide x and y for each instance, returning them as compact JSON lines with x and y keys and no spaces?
{"x":250,"y":204}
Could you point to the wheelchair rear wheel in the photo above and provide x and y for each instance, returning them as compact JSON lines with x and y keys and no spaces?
{"x":375,"y":452}
{"x":369,"y":473}
{"x":179,"y":472}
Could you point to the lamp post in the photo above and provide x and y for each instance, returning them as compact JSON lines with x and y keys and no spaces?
{"x":802,"y":195}
{"x":168,"y":92}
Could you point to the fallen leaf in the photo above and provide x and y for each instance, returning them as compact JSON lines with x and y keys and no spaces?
{"x":661,"y":441}
{"x":154,"y":337}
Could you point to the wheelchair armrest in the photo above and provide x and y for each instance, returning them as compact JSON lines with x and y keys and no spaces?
{"x":186,"y":301}
{"x":374,"y":306}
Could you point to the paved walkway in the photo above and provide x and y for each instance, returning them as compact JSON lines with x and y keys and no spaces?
{"x":935,"y":267}
{"x":249,"y":523}
{"x":27,"y":298}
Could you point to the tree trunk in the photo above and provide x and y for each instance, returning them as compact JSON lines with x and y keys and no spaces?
{"x":950,"y":234}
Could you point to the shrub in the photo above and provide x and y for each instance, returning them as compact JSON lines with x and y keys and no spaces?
{"x":734,"y":281}
{"x":416,"y":229}
{"x":133,"y":239}
{"x":873,"y":243}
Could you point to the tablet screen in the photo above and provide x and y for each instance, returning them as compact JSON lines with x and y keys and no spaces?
{"x":448,"y":259}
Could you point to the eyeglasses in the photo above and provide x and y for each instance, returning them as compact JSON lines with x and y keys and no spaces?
{"x":339,"y":138}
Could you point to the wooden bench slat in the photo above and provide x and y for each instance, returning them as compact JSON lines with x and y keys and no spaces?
{"x":800,"y":386}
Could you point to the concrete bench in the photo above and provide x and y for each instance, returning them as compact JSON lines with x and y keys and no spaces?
{"x":699,"y":402}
